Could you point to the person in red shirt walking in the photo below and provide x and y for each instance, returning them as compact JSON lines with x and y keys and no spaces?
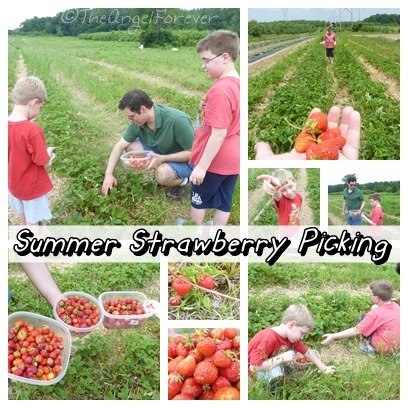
{"x":329,"y":40}
{"x":28,"y":155}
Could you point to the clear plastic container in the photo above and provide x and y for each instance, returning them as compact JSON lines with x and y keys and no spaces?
{"x":79,"y":331}
{"x":117,"y":321}
{"x":59,"y":330}
{"x":136,"y":161}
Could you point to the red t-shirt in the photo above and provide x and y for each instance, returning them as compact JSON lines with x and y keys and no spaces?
{"x":27,"y":156}
{"x":267,"y":343}
{"x":219,"y":109}
{"x":377,"y":215}
{"x":329,"y":40}
{"x":384,"y":322}
{"x":289,"y":210}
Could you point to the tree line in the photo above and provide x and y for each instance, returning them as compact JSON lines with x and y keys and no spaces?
{"x":376,"y":186}
{"x":74,"y":22}
{"x":377,"y":22}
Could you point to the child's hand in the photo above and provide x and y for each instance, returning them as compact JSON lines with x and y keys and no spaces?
{"x":50,"y":150}
{"x":155,"y":306}
{"x":270,"y":184}
{"x":289,"y":356}
{"x":328,"y":369}
{"x":328,"y":338}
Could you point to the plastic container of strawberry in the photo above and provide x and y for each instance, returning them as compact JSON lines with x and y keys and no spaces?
{"x":59,"y":330}
{"x":300,"y":364}
{"x":117,"y":317}
{"x":136,"y":160}
{"x":82,"y":327}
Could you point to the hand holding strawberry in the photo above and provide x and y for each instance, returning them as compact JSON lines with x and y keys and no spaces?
{"x":270,"y":184}
{"x":350,"y":127}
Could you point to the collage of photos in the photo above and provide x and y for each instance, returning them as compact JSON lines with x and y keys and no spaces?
{"x":151,"y":101}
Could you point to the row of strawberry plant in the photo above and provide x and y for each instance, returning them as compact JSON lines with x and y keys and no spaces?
{"x":259,"y":84}
{"x":384,"y":63}
{"x":309,"y":87}
{"x":380,"y":114}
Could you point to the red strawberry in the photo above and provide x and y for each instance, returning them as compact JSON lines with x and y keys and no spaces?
{"x":207,"y":395}
{"x":219,"y":383}
{"x":183,"y":397}
{"x":173,"y":364}
{"x":205,"y":372}
{"x":175,"y":383}
{"x":231,"y":373}
{"x":227,"y":393}
{"x":230,"y":333}
{"x":187,"y":366}
{"x":206,"y":281}
{"x":191,"y":387}
{"x":225,"y":344}
{"x":316,"y":123}
{"x":171,"y":350}
{"x":303,"y":140}
{"x":175,"y":300}
{"x":181,"y":286}
{"x":327,"y":150}
{"x":206,"y":347}
{"x":222,"y":359}
{"x":333,"y":134}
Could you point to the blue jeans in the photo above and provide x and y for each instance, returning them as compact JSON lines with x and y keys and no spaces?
{"x":354,"y":219}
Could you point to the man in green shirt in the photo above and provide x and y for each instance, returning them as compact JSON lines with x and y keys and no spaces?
{"x":353,"y":202}
{"x":168,"y":135}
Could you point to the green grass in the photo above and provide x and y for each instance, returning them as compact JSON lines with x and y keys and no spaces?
{"x":336,"y":294}
{"x":81,"y":119}
{"x":106,"y":364}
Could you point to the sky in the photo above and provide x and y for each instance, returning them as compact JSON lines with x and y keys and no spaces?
{"x":326,"y":14}
{"x":366,"y":172}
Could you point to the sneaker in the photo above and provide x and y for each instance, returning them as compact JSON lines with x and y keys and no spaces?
{"x":176,"y":192}
{"x":180,"y":221}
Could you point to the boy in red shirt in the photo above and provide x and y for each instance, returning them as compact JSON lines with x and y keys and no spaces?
{"x":329,"y":40}
{"x":216,"y":152}
{"x":377,"y":216}
{"x":28,"y":155}
{"x":380,"y":327}
{"x":271,"y":348}
{"x":288,"y":202}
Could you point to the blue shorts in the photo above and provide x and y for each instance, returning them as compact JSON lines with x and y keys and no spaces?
{"x":181,"y":170}
{"x":35,"y":210}
{"x":216,"y":191}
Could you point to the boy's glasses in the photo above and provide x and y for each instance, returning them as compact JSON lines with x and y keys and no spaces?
{"x":208,"y":60}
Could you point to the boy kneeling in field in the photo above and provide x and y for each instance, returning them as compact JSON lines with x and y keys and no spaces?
{"x":380,"y":327}
{"x":272,"y":351}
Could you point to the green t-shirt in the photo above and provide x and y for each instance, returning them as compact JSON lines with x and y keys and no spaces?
{"x":174,"y":131}
{"x":354,"y":199}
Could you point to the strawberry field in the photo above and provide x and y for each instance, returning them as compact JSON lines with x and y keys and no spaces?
{"x":85,"y":81}
{"x":336,"y":295}
{"x":365,"y":75}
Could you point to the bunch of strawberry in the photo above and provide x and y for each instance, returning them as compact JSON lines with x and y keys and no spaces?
{"x":317,"y":140}
{"x":182,"y":286}
{"x":204,"y":365}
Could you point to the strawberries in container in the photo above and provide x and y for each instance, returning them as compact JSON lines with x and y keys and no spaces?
{"x":124,"y":310}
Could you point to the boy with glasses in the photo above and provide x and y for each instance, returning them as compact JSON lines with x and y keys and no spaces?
{"x":353,"y":202}
{"x":215,"y":153}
